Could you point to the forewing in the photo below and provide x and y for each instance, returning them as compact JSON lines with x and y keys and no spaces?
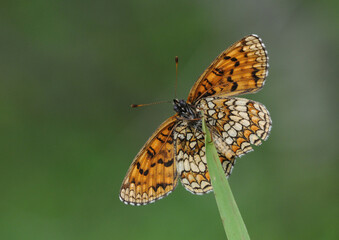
{"x":236,"y":123}
{"x":152,"y":174}
{"x":240,"y":69}
{"x":191,"y":159}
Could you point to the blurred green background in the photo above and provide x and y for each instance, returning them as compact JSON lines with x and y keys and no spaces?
{"x":69,"y":71}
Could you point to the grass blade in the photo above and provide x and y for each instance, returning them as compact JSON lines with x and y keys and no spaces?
{"x":231,"y":218}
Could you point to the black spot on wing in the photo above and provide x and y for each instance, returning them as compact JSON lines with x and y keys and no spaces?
{"x":162,"y":185}
{"x":254,"y":75}
{"x":169,"y":163}
{"x":220,"y":71}
{"x":208,"y":81}
{"x":234,"y":86}
{"x":151,"y":152}
{"x":164,"y":135}
{"x":216,"y":73}
{"x":160,"y":161}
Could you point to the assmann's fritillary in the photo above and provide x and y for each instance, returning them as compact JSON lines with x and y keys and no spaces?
{"x":177,"y":149}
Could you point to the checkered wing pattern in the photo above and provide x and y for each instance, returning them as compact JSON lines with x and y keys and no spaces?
{"x":236,"y":123}
{"x":191,"y":159}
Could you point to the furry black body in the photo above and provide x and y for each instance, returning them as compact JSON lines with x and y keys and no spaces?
{"x":185,"y":110}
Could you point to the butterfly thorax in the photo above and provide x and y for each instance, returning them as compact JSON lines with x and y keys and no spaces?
{"x":185,"y":110}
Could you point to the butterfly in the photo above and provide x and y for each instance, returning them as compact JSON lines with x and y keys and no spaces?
{"x":176,"y":150}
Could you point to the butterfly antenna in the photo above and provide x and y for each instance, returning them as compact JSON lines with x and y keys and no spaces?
{"x":147,"y":104}
{"x":176,"y":76}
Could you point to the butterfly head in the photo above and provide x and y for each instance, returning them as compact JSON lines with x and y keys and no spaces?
{"x":185,"y":110}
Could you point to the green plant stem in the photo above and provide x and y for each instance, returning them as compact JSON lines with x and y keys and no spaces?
{"x":231,"y":218}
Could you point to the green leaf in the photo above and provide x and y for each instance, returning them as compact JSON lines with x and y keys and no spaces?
{"x":231,"y":218}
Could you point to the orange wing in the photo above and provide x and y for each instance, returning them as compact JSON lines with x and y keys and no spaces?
{"x":240,"y":69}
{"x":152,"y":174}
